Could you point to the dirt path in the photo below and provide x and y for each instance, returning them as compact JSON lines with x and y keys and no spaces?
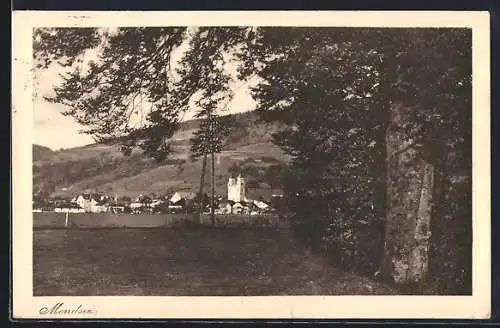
{"x":202,"y":262}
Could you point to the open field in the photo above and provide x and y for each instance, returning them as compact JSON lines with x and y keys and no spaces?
{"x":54,"y":220}
{"x":201,"y":261}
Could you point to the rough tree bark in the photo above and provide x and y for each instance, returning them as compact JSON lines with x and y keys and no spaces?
{"x":409,"y":201}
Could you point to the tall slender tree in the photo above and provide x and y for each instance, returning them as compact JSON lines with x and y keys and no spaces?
{"x":208,"y":139}
{"x":205,"y":78}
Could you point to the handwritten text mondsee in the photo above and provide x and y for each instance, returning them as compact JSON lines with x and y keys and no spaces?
{"x":60,"y":309}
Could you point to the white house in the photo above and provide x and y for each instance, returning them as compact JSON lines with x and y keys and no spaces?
{"x":81,"y":200}
{"x":228,"y":209}
{"x":85,"y":201}
{"x":91,"y":203}
{"x":141,"y":201}
{"x":237,"y":208}
{"x":69,"y":208}
{"x":261,"y":205}
{"x":136,"y":204}
{"x":99,"y":208}
{"x":157,"y":202}
{"x":174,"y":208}
{"x":180,"y":195}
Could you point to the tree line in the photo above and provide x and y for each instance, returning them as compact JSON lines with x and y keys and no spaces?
{"x":377,"y":122}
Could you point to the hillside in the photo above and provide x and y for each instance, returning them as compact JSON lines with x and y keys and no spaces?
{"x":103,"y":168}
{"x":41,"y":152}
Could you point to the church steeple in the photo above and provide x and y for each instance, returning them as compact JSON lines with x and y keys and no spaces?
{"x":236,"y":189}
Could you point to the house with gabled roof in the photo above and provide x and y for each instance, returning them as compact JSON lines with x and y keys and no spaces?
{"x":182,"y":195}
{"x":92,"y":202}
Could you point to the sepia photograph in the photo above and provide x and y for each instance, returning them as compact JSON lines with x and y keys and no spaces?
{"x":231,"y":160}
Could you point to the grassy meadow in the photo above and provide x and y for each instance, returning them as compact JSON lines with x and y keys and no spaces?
{"x":195,"y":261}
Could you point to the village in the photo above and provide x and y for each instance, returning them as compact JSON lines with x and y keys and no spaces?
{"x":239,"y":200}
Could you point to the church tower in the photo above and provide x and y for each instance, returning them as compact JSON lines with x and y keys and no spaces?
{"x":236,"y":189}
{"x":240,"y":182}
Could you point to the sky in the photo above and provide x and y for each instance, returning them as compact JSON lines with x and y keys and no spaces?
{"x":56,"y":131}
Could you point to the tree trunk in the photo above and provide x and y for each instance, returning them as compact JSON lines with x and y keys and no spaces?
{"x":409,"y":201}
{"x":212,"y":201}
{"x":201,"y":199}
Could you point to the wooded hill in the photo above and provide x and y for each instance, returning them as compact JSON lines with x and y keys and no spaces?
{"x":103,"y":168}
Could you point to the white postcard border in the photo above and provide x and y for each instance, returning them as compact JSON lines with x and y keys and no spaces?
{"x":25,"y":305}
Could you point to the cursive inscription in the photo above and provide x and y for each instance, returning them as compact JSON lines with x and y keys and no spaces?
{"x":61,"y":309}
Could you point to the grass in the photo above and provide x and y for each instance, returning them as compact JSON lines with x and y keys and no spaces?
{"x":196,"y":262}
